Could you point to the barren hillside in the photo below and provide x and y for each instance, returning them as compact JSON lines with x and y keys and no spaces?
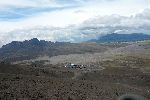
{"x":104,"y":75}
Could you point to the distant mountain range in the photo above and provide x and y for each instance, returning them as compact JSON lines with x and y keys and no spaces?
{"x":114,"y":37}
{"x":29,"y":49}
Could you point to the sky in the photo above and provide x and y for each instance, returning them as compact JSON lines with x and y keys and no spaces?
{"x":71,"y":20}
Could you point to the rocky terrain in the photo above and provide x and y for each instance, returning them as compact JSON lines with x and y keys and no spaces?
{"x":30,"y":49}
{"x":99,"y":72}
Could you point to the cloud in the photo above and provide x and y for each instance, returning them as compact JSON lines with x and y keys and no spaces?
{"x":69,"y":34}
{"x":138,"y":23}
{"x":16,"y":9}
{"x":71,"y":20}
{"x":28,"y":3}
{"x":89,"y":29}
{"x":145,"y":14}
{"x":13,"y":10}
{"x":20,"y":13}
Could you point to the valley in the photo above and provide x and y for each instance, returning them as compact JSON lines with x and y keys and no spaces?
{"x":99,"y":71}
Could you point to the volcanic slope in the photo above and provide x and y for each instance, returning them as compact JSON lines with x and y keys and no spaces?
{"x":104,"y":75}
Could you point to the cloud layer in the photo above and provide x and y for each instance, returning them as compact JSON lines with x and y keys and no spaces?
{"x":71,"y":20}
{"x":89,"y":29}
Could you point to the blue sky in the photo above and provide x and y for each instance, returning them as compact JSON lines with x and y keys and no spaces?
{"x":11,"y":10}
{"x":15,"y":12}
{"x":71,"y":19}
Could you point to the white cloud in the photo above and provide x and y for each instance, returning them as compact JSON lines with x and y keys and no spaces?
{"x":70,"y":34}
{"x":89,"y":29}
{"x":111,"y":16}
{"x":28,"y":3}
{"x":139,"y":23}
{"x":61,"y":18}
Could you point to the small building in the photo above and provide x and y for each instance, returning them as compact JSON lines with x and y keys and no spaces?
{"x":71,"y":65}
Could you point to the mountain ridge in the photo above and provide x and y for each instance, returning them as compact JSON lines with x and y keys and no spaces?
{"x":33,"y":48}
{"x":115,"y":37}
